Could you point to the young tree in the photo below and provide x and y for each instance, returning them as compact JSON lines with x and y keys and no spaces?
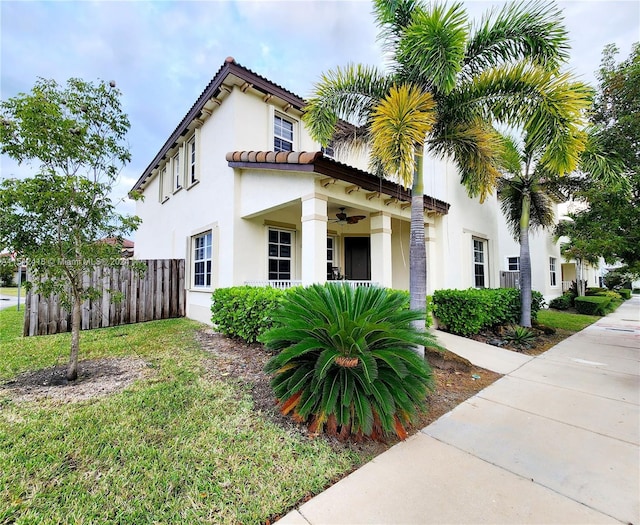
{"x":56,"y":219}
{"x":503,"y":69}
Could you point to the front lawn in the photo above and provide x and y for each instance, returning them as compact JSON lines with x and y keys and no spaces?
{"x":178,"y":446}
{"x":11,"y":291}
{"x":566,"y":321}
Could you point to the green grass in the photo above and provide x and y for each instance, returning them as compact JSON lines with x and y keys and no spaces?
{"x":565,"y":320}
{"x":12,"y":292}
{"x":177,"y":447}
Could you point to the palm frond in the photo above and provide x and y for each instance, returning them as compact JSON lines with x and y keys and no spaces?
{"x":393,"y":17}
{"x":549,"y":106}
{"x":400,"y":122}
{"x":477,"y":150}
{"x":431,"y":50}
{"x":511,"y":192}
{"x":522,"y":30}
{"x":602,"y":165}
{"x":349,"y":93}
{"x":511,"y":159}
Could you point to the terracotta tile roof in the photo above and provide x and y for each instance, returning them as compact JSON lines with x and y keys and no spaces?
{"x":316,"y":162}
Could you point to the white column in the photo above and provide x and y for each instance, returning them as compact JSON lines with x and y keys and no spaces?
{"x":314,"y":239}
{"x":381,"y":257}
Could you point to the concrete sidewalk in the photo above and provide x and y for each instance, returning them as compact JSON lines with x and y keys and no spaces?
{"x":556,"y":440}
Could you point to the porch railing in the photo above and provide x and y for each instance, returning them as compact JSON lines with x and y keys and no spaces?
{"x":566,"y":286}
{"x":282,"y":285}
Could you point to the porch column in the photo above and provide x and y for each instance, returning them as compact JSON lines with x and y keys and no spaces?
{"x":314,"y":239}
{"x":381,"y":259}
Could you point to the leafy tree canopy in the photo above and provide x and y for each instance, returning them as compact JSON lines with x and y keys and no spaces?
{"x":610,"y":224}
{"x":74,"y":136}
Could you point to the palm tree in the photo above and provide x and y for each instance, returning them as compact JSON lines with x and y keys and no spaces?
{"x":531,"y":186}
{"x":503,"y":69}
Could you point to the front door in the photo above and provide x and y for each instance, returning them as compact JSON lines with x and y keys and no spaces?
{"x":357,"y":258}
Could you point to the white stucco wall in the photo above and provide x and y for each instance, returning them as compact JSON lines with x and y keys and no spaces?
{"x":454,"y":233}
{"x":238,"y":205}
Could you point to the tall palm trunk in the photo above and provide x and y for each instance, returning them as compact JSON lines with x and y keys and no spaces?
{"x":417,"y":248}
{"x":525,"y":261}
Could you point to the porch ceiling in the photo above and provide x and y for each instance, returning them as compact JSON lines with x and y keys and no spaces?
{"x":316,"y":162}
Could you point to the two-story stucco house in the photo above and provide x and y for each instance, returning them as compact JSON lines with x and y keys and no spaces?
{"x":244,"y":195}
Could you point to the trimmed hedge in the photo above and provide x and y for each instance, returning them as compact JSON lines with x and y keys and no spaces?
{"x":625,"y":293}
{"x":245,"y":312}
{"x":467,"y":312}
{"x":592,"y":305}
{"x":594,"y":290}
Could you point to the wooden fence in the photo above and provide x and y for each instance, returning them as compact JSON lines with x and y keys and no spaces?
{"x":156,"y":293}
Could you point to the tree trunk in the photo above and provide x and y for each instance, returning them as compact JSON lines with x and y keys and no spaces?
{"x":76,"y":320}
{"x":580,"y":287}
{"x":525,"y":262}
{"x":417,"y":249}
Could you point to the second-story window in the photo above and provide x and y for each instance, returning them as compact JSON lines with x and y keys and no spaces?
{"x":329,"y":150}
{"x":177,"y":175}
{"x":191,"y":160}
{"x":282,"y":134}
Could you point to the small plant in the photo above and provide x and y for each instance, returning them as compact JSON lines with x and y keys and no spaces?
{"x":346,"y":361}
{"x":520,"y":336}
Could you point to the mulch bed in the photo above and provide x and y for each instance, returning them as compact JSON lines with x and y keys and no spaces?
{"x":244,"y":363}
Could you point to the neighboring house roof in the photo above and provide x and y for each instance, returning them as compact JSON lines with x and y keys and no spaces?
{"x":316,"y":162}
{"x":127,"y":245}
{"x":214,"y":90}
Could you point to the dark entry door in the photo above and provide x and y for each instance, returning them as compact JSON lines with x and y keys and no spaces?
{"x":357,"y":258}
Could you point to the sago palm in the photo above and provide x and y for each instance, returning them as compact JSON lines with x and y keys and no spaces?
{"x":500,"y":70}
{"x":345,"y":361}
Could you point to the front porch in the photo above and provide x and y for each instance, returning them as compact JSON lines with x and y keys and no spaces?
{"x":309,"y":219}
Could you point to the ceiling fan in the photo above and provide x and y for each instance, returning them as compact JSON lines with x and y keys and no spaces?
{"x":343,"y":218}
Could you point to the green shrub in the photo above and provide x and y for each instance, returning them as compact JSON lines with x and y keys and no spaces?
{"x":635,"y":291}
{"x":564,"y":302}
{"x":625,"y":293}
{"x":245,"y":312}
{"x":346,"y":363}
{"x":613,"y":295}
{"x":592,"y":305}
{"x":594,"y":290}
{"x":617,"y":279}
{"x":467,"y":312}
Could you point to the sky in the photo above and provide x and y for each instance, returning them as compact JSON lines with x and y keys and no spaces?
{"x":162,"y":54}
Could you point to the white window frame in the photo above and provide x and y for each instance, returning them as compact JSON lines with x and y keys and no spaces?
{"x":277,"y":117}
{"x":516,"y":263}
{"x":202,"y":254}
{"x":177,"y":173}
{"x":484,"y":264}
{"x":164,"y":183}
{"x":191,"y":160}
{"x":553,"y":272}
{"x":278,"y":256}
